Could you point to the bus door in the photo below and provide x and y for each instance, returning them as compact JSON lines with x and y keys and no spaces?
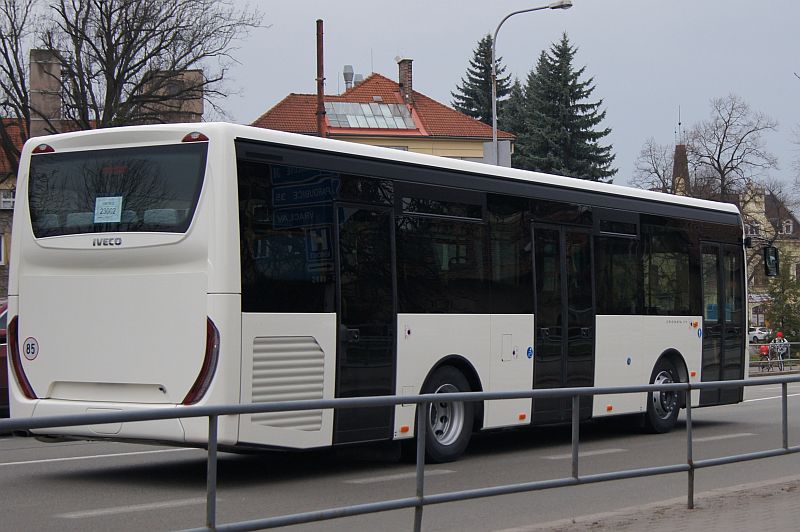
{"x":723,"y":319}
{"x":565,"y":317}
{"x":366,"y":320}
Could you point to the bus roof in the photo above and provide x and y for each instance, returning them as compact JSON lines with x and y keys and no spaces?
{"x":155,"y":134}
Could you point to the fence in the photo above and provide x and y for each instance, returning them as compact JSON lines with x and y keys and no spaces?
{"x":420,"y":499}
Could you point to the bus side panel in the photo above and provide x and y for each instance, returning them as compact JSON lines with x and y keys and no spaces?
{"x":425,"y":339}
{"x":627,"y":349}
{"x":287,"y":357}
{"x":495,"y":345}
{"x":511,"y":369}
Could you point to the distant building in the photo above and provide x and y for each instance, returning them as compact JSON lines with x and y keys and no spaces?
{"x":8,"y":185}
{"x":381,"y":112}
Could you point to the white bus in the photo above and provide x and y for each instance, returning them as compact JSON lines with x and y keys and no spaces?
{"x":168,"y":265}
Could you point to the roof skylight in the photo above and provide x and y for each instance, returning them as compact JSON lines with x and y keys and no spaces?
{"x":373,"y":115}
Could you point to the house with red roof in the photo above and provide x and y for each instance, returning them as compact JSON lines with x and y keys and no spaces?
{"x":382,"y":112}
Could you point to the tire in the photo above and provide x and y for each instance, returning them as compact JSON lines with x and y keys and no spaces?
{"x":662,"y":407}
{"x":755,"y":339}
{"x":449,"y":425}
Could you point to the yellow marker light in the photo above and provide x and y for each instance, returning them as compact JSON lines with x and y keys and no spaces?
{"x":404,"y":429}
{"x":523,"y":416}
{"x":609,"y":408}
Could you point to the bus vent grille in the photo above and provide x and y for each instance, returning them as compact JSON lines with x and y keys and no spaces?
{"x":288,"y":368}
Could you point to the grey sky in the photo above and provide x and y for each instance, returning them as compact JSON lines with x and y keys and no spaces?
{"x":647,"y":56}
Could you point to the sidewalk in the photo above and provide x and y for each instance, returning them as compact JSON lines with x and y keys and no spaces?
{"x":761,"y":506}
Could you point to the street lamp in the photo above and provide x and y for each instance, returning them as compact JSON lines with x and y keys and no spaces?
{"x":558,"y":4}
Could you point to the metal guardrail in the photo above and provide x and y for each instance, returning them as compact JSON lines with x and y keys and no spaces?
{"x":420,"y":500}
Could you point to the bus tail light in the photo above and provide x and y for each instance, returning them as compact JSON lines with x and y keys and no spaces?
{"x":16,"y":361}
{"x":200,"y":386}
{"x":43,"y":148}
{"x":195,"y":136}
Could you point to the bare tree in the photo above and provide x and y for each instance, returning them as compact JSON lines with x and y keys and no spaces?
{"x":126,"y":61}
{"x":16,"y":32}
{"x":654,"y":168}
{"x":727,"y":151}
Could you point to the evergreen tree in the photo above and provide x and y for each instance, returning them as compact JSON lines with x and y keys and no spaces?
{"x":558,"y":133}
{"x":512,"y":116}
{"x":474,"y":96}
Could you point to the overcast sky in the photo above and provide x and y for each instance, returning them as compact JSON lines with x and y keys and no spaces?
{"x":647,"y":57}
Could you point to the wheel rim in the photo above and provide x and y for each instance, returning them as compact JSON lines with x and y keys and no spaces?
{"x":664,"y":402}
{"x":446,"y":419}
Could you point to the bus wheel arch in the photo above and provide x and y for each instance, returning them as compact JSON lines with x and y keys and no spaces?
{"x":450,"y":425}
{"x":663,"y":407}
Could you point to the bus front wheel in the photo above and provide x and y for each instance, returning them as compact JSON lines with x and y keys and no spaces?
{"x":662,"y":406}
{"x":449,"y":423}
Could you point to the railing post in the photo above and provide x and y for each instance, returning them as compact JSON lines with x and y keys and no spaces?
{"x":576,"y":401}
{"x":689,"y":459}
{"x":785,"y":413}
{"x":421,"y":434}
{"x":211,"y":475}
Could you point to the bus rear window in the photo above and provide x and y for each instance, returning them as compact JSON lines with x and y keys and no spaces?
{"x":153,"y":189}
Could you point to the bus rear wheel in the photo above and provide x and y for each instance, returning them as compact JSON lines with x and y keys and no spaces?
{"x":449,"y":423}
{"x":662,"y":406}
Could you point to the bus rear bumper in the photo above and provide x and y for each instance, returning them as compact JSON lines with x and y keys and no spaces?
{"x":164,"y":430}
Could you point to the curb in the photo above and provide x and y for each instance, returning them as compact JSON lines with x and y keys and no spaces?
{"x":612,"y":519}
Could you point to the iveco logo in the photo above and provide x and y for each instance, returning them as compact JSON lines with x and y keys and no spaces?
{"x":107,"y":242}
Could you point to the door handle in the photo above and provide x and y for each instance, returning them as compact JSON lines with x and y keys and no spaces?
{"x":544,"y":332}
{"x":353,"y":335}
{"x":586,"y":332}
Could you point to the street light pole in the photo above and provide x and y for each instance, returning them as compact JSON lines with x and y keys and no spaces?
{"x":559,"y":4}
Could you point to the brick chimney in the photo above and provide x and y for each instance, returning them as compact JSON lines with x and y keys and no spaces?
{"x":405,"y":79}
{"x":45,"y":89}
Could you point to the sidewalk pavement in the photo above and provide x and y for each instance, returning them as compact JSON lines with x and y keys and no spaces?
{"x":762,"y":506}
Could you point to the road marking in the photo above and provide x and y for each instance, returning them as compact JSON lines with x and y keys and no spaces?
{"x":766,"y":398}
{"x":400,"y":476}
{"x":73,"y":458}
{"x":725,"y":436}
{"x":583,"y":454}
{"x":134,"y":508}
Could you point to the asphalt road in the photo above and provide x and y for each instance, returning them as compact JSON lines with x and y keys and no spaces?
{"x":108,"y":486}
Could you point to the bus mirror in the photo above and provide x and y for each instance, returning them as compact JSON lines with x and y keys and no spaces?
{"x":771,"y":261}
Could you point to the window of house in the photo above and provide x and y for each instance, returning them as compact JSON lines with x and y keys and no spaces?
{"x":786,"y":228}
{"x":6,"y":199}
{"x":753,"y":229}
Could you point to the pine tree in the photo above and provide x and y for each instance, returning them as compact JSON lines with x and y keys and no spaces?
{"x":474,"y":96}
{"x":558,"y":134}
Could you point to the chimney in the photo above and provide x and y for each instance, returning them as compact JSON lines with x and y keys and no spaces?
{"x":321,"y":126}
{"x":45,"y":92}
{"x":405,"y":79}
{"x":348,"y":77}
{"x":680,"y":171}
